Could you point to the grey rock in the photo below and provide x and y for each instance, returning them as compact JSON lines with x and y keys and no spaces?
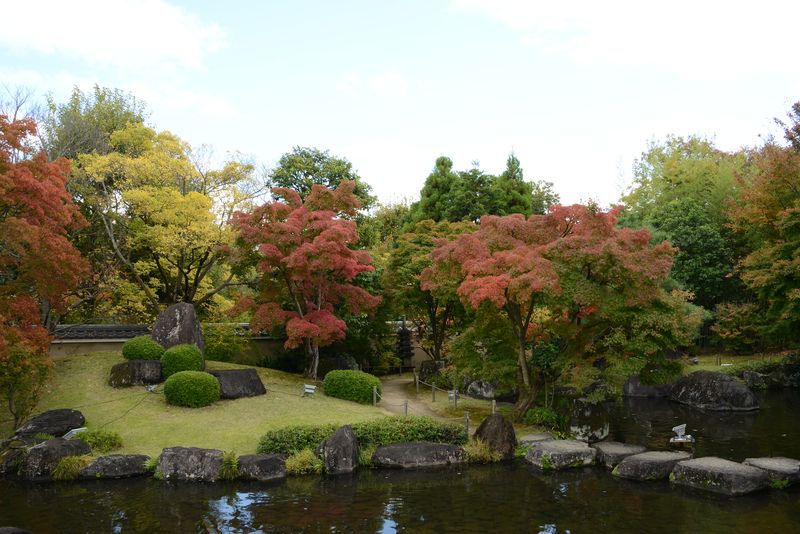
{"x":560,"y":454}
{"x":135,"y":373}
{"x":530,"y":439}
{"x":610,"y":453}
{"x":238,"y":383}
{"x":754,"y":380}
{"x":339,"y":452}
{"x":710,"y":390}
{"x":633,"y":387}
{"x":54,"y":422}
{"x":778,"y":468}
{"x":178,"y":324}
{"x":481,"y":389}
{"x":785,"y":376}
{"x":11,"y":460}
{"x":13,"y":530}
{"x":498,"y":433}
{"x":190,"y":463}
{"x":43,"y":458}
{"x":116,"y":466}
{"x":590,"y":421}
{"x":414,"y":454}
{"x":653,"y":465}
{"x":719,"y":475}
{"x":262,"y":467}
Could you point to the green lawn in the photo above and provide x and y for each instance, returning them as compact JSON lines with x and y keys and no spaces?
{"x":147,"y":423}
{"x":719,"y":362}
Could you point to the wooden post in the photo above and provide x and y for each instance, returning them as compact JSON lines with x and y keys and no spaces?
{"x":494,"y":406}
{"x":374,"y":395}
{"x":416,"y":379}
{"x":455,"y":398}
{"x":406,"y":407}
{"x":466,"y":422}
{"x":433,"y":393}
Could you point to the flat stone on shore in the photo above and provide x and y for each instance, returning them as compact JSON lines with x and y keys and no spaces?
{"x":719,"y":475}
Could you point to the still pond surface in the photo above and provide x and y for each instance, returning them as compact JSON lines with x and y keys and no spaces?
{"x":500,"y":498}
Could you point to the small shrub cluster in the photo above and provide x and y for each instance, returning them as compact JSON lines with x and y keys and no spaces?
{"x":101,"y":440}
{"x":142,"y":348}
{"x":370,"y":434}
{"x":184,"y":357}
{"x":661,"y":371}
{"x":230,"y":466}
{"x":350,"y":385}
{"x":479,"y":452}
{"x":191,"y":388}
{"x":303,"y":462}
{"x":69,"y":467}
{"x":544,"y":417}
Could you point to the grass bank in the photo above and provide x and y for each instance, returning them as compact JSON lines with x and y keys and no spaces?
{"x":147,"y":423}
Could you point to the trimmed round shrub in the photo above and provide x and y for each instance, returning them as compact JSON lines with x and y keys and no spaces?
{"x":191,"y":388}
{"x":184,"y":357}
{"x":354,"y":386}
{"x":142,"y":348}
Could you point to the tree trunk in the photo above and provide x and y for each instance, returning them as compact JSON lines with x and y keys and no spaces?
{"x":525,"y":386}
{"x":312,"y":359}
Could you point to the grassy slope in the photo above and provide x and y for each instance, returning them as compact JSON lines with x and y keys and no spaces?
{"x":82,"y":382}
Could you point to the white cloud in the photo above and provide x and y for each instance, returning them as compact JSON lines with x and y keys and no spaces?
{"x":695,"y":39}
{"x":123,"y":33}
{"x":388,"y":83}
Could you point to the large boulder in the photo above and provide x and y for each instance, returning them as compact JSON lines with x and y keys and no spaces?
{"x":633,"y":387}
{"x":754,"y":380}
{"x":719,"y":475}
{"x":339,"y":453}
{"x":176,"y":325}
{"x":190,"y":463}
{"x":11,"y":459}
{"x":610,"y":453}
{"x":43,"y":458}
{"x":653,"y":465}
{"x":116,"y":466}
{"x":135,"y":373}
{"x":710,"y":390}
{"x":262,"y":467}
{"x":590,"y":421}
{"x":498,"y":433}
{"x":781,"y":471}
{"x":414,"y":454}
{"x":55,"y":422}
{"x":560,"y":454}
{"x":237,"y":383}
{"x":785,"y":376}
{"x":481,"y":389}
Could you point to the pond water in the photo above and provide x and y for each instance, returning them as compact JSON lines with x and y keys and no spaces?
{"x":500,"y":498}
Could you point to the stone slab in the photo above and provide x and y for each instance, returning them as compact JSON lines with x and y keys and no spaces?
{"x":190,"y":463}
{"x":778,"y":468}
{"x":610,"y":453}
{"x":719,"y":475}
{"x":416,"y":454}
{"x":560,"y":454}
{"x":262,"y":467}
{"x":238,"y":383}
{"x":116,"y":466}
{"x":530,"y":439}
{"x":652,"y":465}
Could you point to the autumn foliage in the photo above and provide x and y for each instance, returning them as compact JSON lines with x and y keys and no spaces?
{"x":558,"y":271}
{"x":307,"y":266}
{"x":38,"y":264}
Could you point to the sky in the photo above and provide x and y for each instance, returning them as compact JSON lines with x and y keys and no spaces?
{"x":576,"y":89}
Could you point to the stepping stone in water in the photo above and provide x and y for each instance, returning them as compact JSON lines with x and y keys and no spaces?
{"x":529,"y":439}
{"x":560,"y":454}
{"x":781,"y":471}
{"x":653,"y":465}
{"x":719,"y":475}
{"x":610,"y":453}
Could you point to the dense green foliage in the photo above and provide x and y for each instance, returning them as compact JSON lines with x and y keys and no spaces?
{"x":101,"y":440}
{"x":69,"y":467}
{"x":351,"y":385}
{"x":142,"y":348}
{"x":304,"y":462}
{"x":544,"y":417}
{"x":661,"y":371}
{"x":185,"y":357}
{"x":224,"y":342}
{"x":370,"y":434}
{"x":193,"y":389}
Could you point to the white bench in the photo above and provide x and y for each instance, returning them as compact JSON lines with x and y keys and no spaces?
{"x":308,"y":390}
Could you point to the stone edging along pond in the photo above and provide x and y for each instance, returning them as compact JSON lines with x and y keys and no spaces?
{"x":340,"y":454}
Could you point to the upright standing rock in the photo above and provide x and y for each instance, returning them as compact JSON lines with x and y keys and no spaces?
{"x":498,"y":434}
{"x":178,"y":324}
{"x":339,"y":452}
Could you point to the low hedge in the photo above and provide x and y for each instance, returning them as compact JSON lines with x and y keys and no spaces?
{"x":349,"y":385}
{"x":375,"y":433}
{"x":142,"y":348}
{"x":184,"y":357}
{"x":191,"y":388}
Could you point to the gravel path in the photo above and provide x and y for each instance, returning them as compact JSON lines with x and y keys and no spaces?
{"x":394,"y":394}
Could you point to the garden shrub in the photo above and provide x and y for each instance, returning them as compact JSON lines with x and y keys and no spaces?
{"x":479,"y":452}
{"x":191,"y":388}
{"x":184,"y":357}
{"x":304,"y":462}
{"x":544,"y":417}
{"x":230,"y":466}
{"x":661,"y":371}
{"x":349,"y":385}
{"x":101,"y":440}
{"x":370,"y":434}
{"x":69,"y":467}
{"x":142,"y":348}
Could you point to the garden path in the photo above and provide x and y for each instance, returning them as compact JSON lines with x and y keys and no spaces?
{"x":394,"y":395}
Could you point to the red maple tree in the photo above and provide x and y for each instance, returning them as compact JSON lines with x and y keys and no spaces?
{"x":564,"y":264}
{"x":39,"y":266}
{"x":307,"y":266}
